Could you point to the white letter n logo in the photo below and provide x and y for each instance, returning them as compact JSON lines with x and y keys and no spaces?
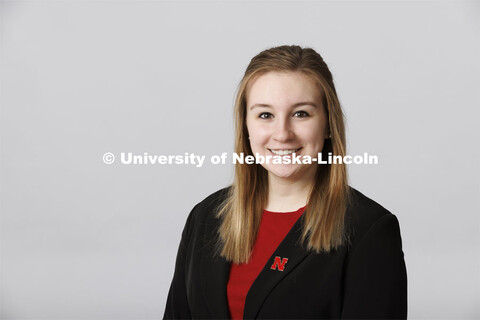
{"x":279,"y":263}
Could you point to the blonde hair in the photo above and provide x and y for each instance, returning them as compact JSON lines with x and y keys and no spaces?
{"x":241,"y":211}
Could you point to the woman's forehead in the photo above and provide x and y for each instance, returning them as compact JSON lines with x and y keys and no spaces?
{"x":276,"y":87}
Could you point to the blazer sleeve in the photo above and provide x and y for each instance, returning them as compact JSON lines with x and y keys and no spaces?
{"x":375,"y":284}
{"x":177,"y":306}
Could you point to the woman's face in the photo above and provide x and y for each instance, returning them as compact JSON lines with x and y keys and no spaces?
{"x":285,"y":114}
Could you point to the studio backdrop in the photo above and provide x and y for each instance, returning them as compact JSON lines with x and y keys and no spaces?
{"x":91,"y":91}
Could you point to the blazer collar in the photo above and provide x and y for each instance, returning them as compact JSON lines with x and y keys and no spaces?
{"x":216,"y":272}
{"x":291,"y":249}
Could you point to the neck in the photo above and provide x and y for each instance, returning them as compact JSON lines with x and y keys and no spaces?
{"x":286,"y":195}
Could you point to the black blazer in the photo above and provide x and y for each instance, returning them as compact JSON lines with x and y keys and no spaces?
{"x":363,"y":280}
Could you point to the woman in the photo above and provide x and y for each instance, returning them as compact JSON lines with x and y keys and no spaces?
{"x":289,"y":241}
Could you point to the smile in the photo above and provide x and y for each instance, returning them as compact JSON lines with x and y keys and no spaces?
{"x":283,"y":152}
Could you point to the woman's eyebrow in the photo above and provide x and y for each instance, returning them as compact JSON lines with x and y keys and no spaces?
{"x":305,"y":103}
{"x":298,"y":104}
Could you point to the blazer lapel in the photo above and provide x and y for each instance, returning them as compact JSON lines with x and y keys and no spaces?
{"x":291,"y":249}
{"x":215,"y":271}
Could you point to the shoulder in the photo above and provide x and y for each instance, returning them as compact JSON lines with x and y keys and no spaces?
{"x":211,"y":202}
{"x":206,"y":209}
{"x":364,"y":215}
{"x":202,"y":222}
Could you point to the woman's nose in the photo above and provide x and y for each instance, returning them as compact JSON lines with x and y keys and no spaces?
{"x":283,"y":130}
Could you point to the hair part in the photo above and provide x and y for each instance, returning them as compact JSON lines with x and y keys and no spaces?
{"x":242,"y":209}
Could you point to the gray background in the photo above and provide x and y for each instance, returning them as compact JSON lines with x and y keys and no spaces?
{"x":84,"y":240}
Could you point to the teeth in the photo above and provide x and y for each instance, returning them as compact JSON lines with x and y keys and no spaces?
{"x":284,"y":152}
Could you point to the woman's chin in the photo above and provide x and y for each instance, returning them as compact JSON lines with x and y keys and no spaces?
{"x":288,"y":172}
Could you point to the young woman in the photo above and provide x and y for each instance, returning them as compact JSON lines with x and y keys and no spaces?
{"x":289,"y":240}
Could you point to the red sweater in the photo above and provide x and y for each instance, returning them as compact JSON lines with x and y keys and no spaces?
{"x":273,"y":228}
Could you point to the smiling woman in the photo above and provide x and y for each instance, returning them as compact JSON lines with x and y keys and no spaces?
{"x":289,"y":240}
{"x":285,"y":115}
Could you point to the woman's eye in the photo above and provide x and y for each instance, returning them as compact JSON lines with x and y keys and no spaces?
{"x":301,"y":114}
{"x":265,"y":115}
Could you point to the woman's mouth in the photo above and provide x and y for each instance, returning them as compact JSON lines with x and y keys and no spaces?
{"x":283,"y":152}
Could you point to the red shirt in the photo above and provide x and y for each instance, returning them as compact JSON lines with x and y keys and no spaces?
{"x":273,"y":228}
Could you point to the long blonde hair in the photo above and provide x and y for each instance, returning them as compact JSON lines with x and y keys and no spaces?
{"x":241,"y":211}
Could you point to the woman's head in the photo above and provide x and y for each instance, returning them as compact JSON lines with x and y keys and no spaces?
{"x":285,"y":117}
{"x":268,"y":111}
{"x":292,"y":105}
